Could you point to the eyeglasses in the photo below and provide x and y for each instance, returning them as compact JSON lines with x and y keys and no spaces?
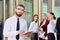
{"x":20,"y":9}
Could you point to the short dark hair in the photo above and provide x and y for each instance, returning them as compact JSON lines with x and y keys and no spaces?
{"x":34,"y":16}
{"x":53,"y":15}
{"x":20,"y":5}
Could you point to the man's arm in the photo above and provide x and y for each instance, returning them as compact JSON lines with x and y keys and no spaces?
{"x":7,"y":30}
{"x":25,"y":27}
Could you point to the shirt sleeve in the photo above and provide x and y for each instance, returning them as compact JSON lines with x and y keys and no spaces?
{"x":30,"y":27}
{"x":53,"y":22}
{"x":25,"y":27}
{"x":7,"y":30}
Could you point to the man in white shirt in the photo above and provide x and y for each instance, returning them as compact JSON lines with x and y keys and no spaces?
{"x":14,"y":27}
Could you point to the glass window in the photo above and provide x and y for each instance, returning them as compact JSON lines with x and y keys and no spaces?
{"x":7,"y":9}
{"x":44,"y":6}
{"x":57,"y":8}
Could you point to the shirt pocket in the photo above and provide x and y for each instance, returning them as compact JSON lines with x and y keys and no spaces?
{"x":21,"y":26}
{"x":13,"y":26}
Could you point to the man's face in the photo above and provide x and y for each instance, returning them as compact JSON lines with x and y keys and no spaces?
{"x":19,"y":11}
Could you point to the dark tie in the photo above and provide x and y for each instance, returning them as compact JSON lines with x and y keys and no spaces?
{"x":18,"y":27}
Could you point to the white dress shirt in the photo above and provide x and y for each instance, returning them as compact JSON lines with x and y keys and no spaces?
{"x":10,"y":28}
{"x":51,"y":26}
{"x":33,"y":27}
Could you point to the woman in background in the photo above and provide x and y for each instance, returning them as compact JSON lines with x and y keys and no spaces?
{"x":33,"y":28}
{"x":51,"y":26}
{"x":43,"y":26}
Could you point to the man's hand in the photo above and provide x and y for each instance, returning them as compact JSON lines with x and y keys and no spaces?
{"x":20,"y":32}
{"x":26,"y":36}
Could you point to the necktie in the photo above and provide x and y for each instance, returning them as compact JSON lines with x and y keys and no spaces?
{"x":18,"y":26}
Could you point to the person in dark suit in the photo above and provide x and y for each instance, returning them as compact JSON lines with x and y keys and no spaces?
{"x":58,"y":28}
{"x":1,"y":30}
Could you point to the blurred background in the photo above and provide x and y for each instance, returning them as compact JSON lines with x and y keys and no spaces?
{"x":31,"y":7}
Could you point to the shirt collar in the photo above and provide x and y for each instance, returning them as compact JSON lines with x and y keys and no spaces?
{"x":16,"y":17}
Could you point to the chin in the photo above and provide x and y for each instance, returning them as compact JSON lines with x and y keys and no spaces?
{"x":19,"y":15}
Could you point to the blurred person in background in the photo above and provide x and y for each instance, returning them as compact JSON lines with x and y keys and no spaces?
{"x":58,"y":28}
{"x":33,"y":28}
{"x":51,"y":26}
{"x":43,"y":26}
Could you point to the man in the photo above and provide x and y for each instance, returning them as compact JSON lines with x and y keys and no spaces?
{"x":15,"y":27}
